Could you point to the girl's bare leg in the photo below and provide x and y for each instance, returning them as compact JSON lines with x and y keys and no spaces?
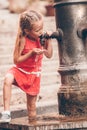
{"x":9,"y":79}
{"x":31,"y":106}
{"x":6,"y":115}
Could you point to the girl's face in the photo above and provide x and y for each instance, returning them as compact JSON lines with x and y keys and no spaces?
{"x":36,"y":31}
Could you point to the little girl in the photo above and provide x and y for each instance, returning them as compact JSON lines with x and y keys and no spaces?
{"x":28,"y":54}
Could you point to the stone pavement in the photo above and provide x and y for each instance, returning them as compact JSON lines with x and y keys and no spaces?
{"x":50,"y":78}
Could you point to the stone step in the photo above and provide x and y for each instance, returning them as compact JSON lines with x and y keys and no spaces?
{"x":6,"y":48}
{"x":51,"y":120}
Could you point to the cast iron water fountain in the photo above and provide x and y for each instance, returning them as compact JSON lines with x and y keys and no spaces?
{"x":71,"y":24}
{"x":71,"y":18}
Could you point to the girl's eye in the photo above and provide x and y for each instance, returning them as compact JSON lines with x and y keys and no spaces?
{"x":36,"y":30}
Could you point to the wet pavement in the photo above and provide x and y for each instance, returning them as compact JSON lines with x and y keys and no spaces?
{"x":47,"y":122}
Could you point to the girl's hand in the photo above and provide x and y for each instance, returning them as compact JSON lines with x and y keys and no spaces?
{"x":49,"y":33}
{"x":37,"y":51}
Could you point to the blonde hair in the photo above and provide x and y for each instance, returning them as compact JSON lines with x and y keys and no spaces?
{"x":26,"y":21}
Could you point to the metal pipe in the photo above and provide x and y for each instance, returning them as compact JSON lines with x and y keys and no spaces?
{"x":57,"y":34}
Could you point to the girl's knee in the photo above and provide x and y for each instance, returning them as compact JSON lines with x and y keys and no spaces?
{"x":8,"y":79}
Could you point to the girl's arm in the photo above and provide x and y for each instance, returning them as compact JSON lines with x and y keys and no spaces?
{"x":18,"y":57}
{"x":48,"y":49}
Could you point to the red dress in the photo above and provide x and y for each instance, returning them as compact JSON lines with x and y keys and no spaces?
{"x":28,"y":73}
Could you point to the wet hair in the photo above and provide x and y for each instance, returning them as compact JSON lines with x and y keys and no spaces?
{"x":27,"y":20}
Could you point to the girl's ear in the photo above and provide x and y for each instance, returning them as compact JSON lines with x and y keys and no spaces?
{"x":26,"y":31}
